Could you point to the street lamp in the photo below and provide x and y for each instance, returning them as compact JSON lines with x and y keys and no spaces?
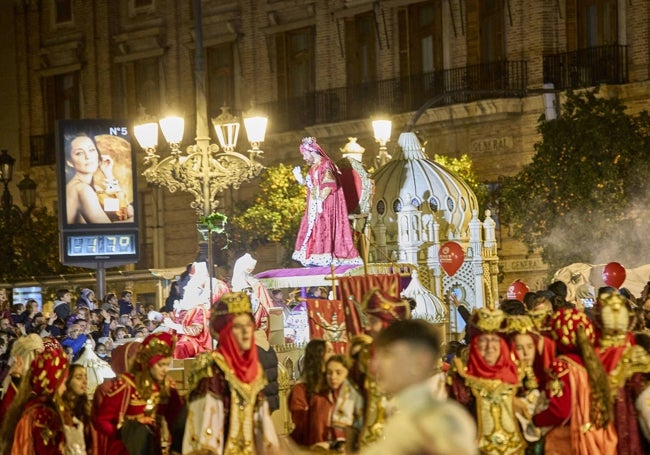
{"x":26,"y":186}
{"x":6,"y":170}
{"x":381,"y":129}
{"x":205,"y":169}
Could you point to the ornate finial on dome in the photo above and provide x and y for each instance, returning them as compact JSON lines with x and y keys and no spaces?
{"x":411,"y":147}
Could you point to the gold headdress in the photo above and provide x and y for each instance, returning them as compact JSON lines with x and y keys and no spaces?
{"x":227,"y":307}
{"x":519,"y":324}
{"x":155,"y":347}
{"x":487,"y":320}
{"x":232,"y":303}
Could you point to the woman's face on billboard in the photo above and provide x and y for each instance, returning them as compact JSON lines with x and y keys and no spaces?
{"x":83,"y":155}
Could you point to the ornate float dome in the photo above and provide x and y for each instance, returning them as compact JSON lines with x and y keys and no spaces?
{"x":411,"y":178}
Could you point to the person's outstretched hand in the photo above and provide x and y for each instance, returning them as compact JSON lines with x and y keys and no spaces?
{"x":297,"y":173}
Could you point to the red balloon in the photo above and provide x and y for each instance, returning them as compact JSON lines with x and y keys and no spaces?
{"x":517,"y":290}
{"x":451,"y":256}
{"x":614,"y":274}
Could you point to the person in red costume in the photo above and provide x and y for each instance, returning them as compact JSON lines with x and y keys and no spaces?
{"x":122,"y":360}
{"x":488,"y":382}
{"x":141,"y":406}
{"x":34,"y":425}
{"x":627,"y":365}
{"x":580,"y":408}
{"x":192,"y":313}
{"x":310,"y":409}
{"x":382,"y":310}
{"x":227,"y":412}
{"x":325,"y":236}
{"x":535,"y":354}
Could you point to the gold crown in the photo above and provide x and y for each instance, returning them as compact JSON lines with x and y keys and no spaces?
{"x":233,"y":303}
{"x":519,"y":324}
{"x":488,"y":320}
{"x":541,"y":319}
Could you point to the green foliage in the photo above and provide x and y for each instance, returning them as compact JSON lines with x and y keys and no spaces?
{"x":275,"y":213}
{"x":581,"y":197}
{"x":463,"y":167}
{"x":30,"y":245}
{"x":215,"y":222}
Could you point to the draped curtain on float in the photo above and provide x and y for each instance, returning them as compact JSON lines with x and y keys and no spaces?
{"x":327,"y":321}
{"x":338,"y":320}
{"x":352,"y":289}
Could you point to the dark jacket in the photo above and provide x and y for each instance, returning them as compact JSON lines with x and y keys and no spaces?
{"x":126,"y":307}
{"x":269,"y":361}
{"x":62,"y":309}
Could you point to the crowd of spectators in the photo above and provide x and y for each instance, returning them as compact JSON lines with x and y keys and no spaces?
{"x":77,"y":321}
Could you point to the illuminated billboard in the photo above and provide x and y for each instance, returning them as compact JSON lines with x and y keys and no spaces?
{"x":97,"y":192}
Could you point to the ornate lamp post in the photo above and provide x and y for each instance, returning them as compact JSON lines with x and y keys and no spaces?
{"x":6,"y":170}
{"x":381,"y":129}
{"x":205,"y":169}
{"x":14,"y":220}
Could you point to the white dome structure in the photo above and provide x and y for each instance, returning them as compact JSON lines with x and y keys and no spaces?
{"x":427,"y":305}
{"x":410,"y":178}
{"x":418,"y":207}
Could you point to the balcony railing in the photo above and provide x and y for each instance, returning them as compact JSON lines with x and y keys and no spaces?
{"x":587,"y":67}
{"x":505,"y":79}
{"x":42,"y":150}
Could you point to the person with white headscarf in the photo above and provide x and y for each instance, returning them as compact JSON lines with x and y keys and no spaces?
{"x":244,"y":280}
{"x":22,"y":353}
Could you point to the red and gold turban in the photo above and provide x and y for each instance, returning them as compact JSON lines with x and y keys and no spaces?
{"x":156,"y":347}
{"x":564,"y":329}
{"x":49,"y":368}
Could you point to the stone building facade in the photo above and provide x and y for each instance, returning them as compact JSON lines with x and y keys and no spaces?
{"x":321,"y":68}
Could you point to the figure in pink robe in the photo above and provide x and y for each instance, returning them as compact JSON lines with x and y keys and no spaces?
{"x":324,"y":237}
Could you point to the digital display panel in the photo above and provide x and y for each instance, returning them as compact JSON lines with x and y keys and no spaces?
{"x":111,"y":248}
{"x":101,"y":245}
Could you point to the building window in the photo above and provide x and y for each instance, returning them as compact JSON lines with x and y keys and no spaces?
{"x":141,"y":7}
{"x":295,"y":62}
{"x":492,"y":30}
{"x":147,"y":85}
{"x":220,"y":78}
{"x":61,"y":101}
{"x":361,"y":49}
{"x":420,"y":38}
{"x":62,"y":11}
{"x":62,"y":98}
{"x":597,"y":23}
